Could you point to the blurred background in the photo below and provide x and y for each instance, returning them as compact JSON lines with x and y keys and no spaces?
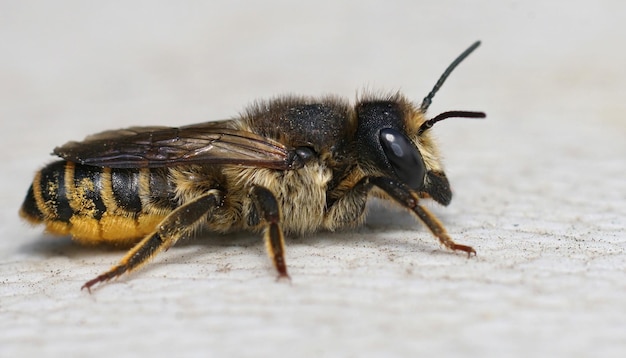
{"x":138,"y":62}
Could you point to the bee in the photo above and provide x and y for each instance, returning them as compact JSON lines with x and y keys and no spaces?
{"x":290,"y":165}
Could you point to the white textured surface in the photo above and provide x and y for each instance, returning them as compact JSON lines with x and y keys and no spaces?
{"x":540,"y":188}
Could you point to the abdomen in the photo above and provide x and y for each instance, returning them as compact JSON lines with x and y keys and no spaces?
{"x":99,"y":205}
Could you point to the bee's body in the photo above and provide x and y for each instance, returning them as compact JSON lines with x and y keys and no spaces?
{"x":120,"y":206}
{"x":294,"y":165}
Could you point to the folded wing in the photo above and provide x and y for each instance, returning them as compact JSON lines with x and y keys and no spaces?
{"x":152,"y":147}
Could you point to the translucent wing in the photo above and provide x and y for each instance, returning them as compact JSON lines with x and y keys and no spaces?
{"x":151,"y":147}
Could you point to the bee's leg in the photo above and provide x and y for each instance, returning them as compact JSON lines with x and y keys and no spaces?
{"x":347,"y":209}
{"x":404,"y":196}
{"x":267,"y":209}
{"x":177,"y":224}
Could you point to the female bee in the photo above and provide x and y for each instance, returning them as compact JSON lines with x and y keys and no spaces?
{"x":289,"y":165}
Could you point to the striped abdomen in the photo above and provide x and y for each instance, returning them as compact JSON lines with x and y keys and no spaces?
{"x":95,"y":205}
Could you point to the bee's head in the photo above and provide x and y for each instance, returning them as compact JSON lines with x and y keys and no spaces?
{"x":393,"y":140}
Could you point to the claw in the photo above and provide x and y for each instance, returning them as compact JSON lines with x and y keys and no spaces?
{"x":468,"y":249}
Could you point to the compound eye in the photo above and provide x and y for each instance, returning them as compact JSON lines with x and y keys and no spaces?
{"x":404,"y":157}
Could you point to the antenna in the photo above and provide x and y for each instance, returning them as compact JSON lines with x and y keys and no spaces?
{"x":440,"y":117}
{"x":429,"y":98}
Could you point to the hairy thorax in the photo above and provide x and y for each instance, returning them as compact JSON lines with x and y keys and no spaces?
{"x":301,"y":194}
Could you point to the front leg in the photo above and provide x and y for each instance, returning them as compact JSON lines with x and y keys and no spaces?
{"x":351,"y":206}
{"x":348,"y":208}
{"x":402,"y":194}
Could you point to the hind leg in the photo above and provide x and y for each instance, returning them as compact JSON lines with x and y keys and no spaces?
{"x":180,"y":222}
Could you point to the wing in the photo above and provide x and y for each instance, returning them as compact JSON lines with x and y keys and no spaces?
{"x":152,"y":147}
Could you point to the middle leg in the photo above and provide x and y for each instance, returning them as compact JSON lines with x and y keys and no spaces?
{"x":267,"y":209}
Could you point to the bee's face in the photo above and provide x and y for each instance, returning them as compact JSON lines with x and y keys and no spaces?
{"x":388,"y":143}
{"x":405,"y":159}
